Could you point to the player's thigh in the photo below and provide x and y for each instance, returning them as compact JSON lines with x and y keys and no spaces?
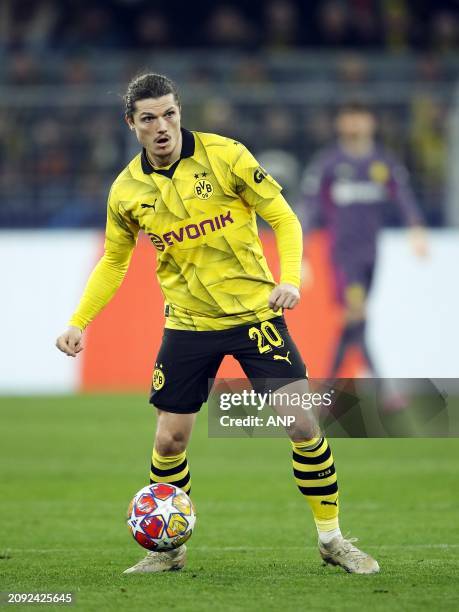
{"x":267,"y":350}
{"x":185,"y":362}
{"x":273,"y":363}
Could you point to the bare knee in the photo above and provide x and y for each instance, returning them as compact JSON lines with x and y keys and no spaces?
{"x":170,"y":443}
{"x":173,"y":433}
{"x":303,"y":432}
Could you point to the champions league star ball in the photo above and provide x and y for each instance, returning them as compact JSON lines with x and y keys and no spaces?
{"x":161,"y":517}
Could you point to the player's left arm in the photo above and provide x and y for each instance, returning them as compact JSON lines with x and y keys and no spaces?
{"x":289,"y":239}
{"x":402,"y":194}
{"x":263,"y":193}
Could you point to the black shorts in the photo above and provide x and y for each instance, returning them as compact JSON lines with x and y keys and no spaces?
{"x":188,"y":359}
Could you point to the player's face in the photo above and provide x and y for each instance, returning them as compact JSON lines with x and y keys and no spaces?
{"x":356,"y":126}
{"x":156,"y":122}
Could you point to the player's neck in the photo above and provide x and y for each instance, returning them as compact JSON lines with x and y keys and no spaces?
{"x":357,"y":148}
{"x":166,"y":160}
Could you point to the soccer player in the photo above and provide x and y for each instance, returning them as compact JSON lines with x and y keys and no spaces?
{"x":346,"y":188}
{"x":196,"y":196}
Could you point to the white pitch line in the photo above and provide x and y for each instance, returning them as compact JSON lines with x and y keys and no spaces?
{"x":227,"y":548}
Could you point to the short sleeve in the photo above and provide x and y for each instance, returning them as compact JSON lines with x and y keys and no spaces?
{"x":120,"y":228}
{"x":251,"y":182}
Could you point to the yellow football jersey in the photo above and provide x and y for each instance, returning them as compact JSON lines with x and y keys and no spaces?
{"x":200,"y":214}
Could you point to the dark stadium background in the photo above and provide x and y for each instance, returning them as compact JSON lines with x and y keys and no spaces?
{"x":269,"y":73}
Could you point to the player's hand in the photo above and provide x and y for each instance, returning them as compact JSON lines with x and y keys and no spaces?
{"x":284,"y":296}
{"x":70,"y":342}
{"x":418,"y":241}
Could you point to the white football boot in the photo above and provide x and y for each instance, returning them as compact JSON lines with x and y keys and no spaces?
{"x":160,"y":562}
{"x":342,"y":552}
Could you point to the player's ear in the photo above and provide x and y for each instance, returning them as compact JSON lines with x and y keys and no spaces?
{"x":129,"y":121}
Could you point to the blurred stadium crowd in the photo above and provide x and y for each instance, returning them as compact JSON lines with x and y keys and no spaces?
{"x":76,"y":25}
{"x":270,"y":74}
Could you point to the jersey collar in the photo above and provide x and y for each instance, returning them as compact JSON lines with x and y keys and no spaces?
{"x":187,"y":151}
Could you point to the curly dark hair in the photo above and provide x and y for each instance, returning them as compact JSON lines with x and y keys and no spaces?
{"x":148,"y":85}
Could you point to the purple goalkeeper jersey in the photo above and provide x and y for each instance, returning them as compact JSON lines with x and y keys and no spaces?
{"x":347,"y":195}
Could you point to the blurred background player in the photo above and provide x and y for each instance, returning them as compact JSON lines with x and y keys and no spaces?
{"x":346,"y":189}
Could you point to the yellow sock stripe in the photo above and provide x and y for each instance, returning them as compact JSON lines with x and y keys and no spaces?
{"x":187,"y":487}
{"x":171,"y":478}
{"x":318,"y":467}
{"x":327,"y":524}
{"x":322,"y":482}
{"x":165,"y":463}
{"x":306,"y":444}
{"x":305,"y":453}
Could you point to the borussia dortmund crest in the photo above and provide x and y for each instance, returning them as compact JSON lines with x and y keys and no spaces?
{"x":379,"y":172}
{"x":158,"y":379}
{"x":203,"y":189}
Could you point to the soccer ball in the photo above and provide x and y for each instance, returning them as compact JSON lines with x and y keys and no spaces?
{"x":161,"y":517}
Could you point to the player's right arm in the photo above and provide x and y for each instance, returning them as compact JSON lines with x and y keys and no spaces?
{"x":402,"y":194}
{"x":107,"y":276}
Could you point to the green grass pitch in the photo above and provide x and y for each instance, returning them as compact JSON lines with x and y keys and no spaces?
{"x":71,"y":464}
